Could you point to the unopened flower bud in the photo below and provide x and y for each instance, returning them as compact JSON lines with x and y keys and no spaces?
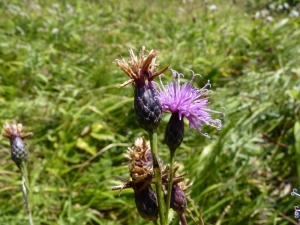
{"x":147,"y":107}
{"x":146,"y":202}
{"x":174,"y":132}
{"x":19,"y":152}
{"x":178,"y":199}
{"x":141,"y":69}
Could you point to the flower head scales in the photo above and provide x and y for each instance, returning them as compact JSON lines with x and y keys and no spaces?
{"x":14,"y":133}
{"x":140,"y":69}
{"x":188,"y":101}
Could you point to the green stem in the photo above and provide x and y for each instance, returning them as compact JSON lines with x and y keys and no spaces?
{"x":297,"y":148}
{"x":157,"y":177}
{"x":172,"y":158}
{"x":25,"y":190}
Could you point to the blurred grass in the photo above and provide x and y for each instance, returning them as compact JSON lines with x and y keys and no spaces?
{"x":57,"y":77}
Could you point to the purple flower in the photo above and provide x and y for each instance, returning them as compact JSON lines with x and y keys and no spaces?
{"x":188,"y":101}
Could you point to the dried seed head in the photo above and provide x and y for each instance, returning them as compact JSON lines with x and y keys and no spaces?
{"x":140,"y":161}
{"x":140,"y":69}
{"x":141,"y":173}
{"x":140,"y":153}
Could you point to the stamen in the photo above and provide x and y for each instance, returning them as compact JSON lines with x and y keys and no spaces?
{"x":294,"y":192}
{"x":194,"y":75}
{"x":297,"y":212}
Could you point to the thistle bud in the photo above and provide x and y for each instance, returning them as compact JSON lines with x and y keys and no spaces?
{"x":140,"y":69}
{"x":19,"y":152}
{"x":180,"y":184}
{"x":147,"y":107}
{"x":174,"y":132}
{"x":146,"y":202}
{"x":178,"y":199}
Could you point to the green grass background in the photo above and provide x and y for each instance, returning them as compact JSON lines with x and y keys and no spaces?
{"x":58,"y":78}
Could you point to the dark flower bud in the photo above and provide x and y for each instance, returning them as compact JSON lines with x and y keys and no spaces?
{"x":147,"y":107}
{"x":19,"y":152}
{"x":178,"y":199}
{"x":141,"y":69}
{"x":174,"y":132}
{"x":146,"y":202}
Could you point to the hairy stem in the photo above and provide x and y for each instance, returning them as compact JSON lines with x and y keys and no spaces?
{"x":172,"y":157}
{"x":25,"y":190}
{"x":157,"y":177}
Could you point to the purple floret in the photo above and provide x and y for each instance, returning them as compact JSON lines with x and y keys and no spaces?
{"x":188,"y":101}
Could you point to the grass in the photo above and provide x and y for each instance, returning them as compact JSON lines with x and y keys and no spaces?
{"x":57,"y":77}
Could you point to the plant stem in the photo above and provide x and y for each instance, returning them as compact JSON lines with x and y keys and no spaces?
{"x":157,"y":177}
{"x":297,"y":147}
{"x":25,"y":190}
{"x":182,"y":219}
{"x":172,"y":158}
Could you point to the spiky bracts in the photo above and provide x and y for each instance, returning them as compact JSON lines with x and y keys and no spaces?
{"x":141,"y":173}
{"x":140,"y":70}
{"x":179,"y":187}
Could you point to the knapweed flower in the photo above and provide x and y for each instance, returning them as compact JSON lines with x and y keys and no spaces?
{"x":189,"y":102}
{"x":141,"y":173}
{"x":19,"y":152}
{"x":141,"y":73}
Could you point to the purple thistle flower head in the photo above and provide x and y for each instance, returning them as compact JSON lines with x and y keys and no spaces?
{"x":188,"y":101}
